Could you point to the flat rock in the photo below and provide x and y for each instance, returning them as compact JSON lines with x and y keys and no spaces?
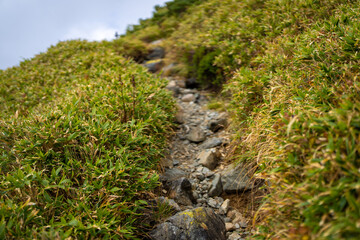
{"x":209,"y":158}
{"x":196,"y":135}
{"x":172,"y":174}
{"x":234,"y":179}
{"x":211,"y":143}
{"x":195,"y":224}
{"x":234,"y":236}
{"x":188,"y":98}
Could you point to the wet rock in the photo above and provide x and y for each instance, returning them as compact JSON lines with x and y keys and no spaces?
{"x":181,"y":192}
{"x":234,"y":179}
{"x":154,"y":65}
{"x":219,"y":123}
{"x":188,"y":98}
{"x":224,"y":208}
{"x":196,"y":135}
{"x":196,"y":224}
{"x":209,"y":158}
{"x":156,"y":53}
{"x":216,"y":186}
{"x":211,"y":143}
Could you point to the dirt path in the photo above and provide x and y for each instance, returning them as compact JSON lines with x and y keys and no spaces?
{"x":194,"y":171}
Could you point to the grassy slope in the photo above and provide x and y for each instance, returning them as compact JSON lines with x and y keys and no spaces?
{"x":292,"y":69}
{"x":82,"y":130}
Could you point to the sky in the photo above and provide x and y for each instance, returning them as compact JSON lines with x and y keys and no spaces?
{"x":28,"y":27}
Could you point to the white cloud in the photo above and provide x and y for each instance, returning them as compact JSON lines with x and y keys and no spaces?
{"x":96,"y":33}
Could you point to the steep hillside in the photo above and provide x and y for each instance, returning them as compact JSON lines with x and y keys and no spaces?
{"x":81,"y":132}
{"x":83,"y":126}
{"x":290,"y":70}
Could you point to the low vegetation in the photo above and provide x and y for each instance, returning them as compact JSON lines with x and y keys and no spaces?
{"x":82,"y":131}
{"x":82,"y":125}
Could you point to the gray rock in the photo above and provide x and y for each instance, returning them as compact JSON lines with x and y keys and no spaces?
{"x":234,"y":179}
{"x":196,"y":135}
{"x":212,"y":203}
{"x":188,"y":98}
{"x":211,"y":143}
{"x":174,"y":88}
{"x":216,"y":186}
{"x":195,"y":224}
{"x":154,"y":65}
{"x":181,"y":192}
{"x":172,"y":174}
{"x":219,"y":123}
{"x":209,"y":158}
{"x":156,"y":53}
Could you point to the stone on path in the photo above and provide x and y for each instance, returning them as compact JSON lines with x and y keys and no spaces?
{"x":224,"y":208}
{"x":219,"y":123}
{"x":211,"y":143}
{"x":156,"y":53}
{"x":196,"y":135}
{"x":195,"y":224}
{"x":216,"y":186}
{"x":209,"y":158}
{"x":188,"y":98}
{"x":234,"y":179}
{"x":172,"y":174}
{"x":181,"y":192}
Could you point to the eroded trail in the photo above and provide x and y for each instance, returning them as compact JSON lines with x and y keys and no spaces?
{"x":196,"y":179}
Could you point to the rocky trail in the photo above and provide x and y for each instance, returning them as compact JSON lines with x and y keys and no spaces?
{"x":195,"y":178}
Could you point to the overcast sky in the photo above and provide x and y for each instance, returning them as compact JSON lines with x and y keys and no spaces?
{"x":28,"y":27}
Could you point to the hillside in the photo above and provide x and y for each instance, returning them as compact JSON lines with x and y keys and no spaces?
{"x":83,"y":125}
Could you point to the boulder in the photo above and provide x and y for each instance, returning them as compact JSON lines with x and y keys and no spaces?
{"x":234,"y":179}
{"x":196,"y":135}
{"x":194,"y":224}
{"x":209,"y":158}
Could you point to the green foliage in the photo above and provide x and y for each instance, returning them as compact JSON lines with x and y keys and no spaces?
{"x":203,"y":68}
{"x":78,"y":155}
